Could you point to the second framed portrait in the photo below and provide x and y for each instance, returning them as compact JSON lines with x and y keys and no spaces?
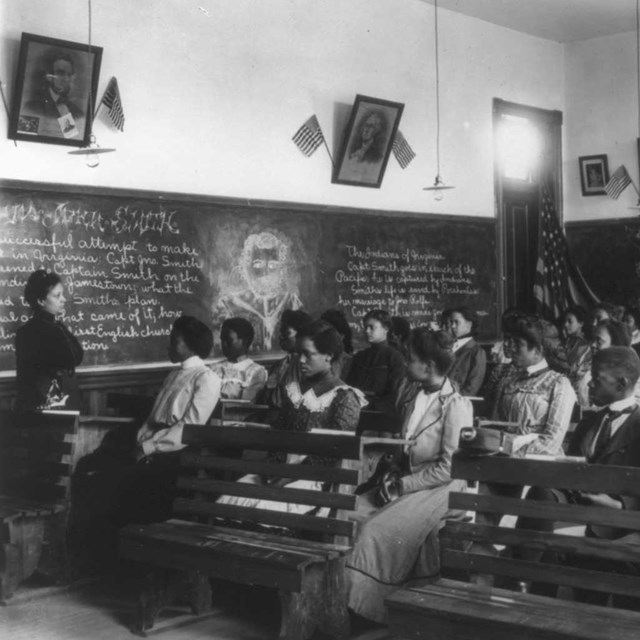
{"x":55,"y":91}
{"x":367,"y":142}
{"x":594,"y":174}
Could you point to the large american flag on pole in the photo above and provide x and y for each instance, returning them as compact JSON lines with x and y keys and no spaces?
{"x":558,"y":283}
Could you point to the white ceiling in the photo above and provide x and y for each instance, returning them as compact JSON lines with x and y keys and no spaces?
{"x":559,"y":20}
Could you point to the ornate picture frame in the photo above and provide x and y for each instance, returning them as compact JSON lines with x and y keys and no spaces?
{"x":55,"y":90}
{"x":367,"y":142}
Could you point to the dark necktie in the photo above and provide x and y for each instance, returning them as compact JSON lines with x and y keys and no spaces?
{"x":604,"y":434}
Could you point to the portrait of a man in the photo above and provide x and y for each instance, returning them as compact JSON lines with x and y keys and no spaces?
{"x":263,"y":283}
{"x":53,"y":98}
{"x":367,"y":142}
{"x":368,"y":145}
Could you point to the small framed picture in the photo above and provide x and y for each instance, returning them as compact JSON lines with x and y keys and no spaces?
{"x":594,"y":174}
{"x":55,"y":91}
{"x":367,"y":142}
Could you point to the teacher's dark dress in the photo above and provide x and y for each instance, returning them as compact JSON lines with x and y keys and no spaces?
{"x":46,"y":350}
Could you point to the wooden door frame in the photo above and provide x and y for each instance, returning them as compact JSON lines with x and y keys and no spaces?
{"x":550,"y":117}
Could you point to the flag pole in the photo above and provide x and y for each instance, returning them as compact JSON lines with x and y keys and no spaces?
{"x":326,"y":146}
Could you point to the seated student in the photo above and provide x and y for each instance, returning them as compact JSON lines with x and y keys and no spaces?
{"x":631,"y":318}
{"x":497,"y":355}
{"x":605,"y":311}
{"x":575,"y":343}
{"x":188,"y":395}
{"x":469,"y":358}
{"x":537,"y":398}
{"x":319,"y":401}
{"x":379,"y":369}
{"x":406,"y":506}
{"x":288,"y":369}
{"x":399,"y":335}
{"x":503,"y":365}
{"x":338,"y":320}
{"x":445,"y":320}
{"x":131,"y":479}
{"x":576,"y":347}
{"x":610,"y":436}
{"x":242,"y":378}
{"x":608,"y":333}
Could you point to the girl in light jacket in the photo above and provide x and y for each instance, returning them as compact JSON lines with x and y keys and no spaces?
{"x":390,"y":549}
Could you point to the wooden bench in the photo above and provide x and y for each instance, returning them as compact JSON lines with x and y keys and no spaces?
{"x":36,"y":453}
{"x":455,"y":609}
{"x":306,"y":565}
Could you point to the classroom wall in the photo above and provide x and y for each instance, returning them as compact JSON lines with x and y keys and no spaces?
{"x":601,"y":117}
{"x":213,"y":90}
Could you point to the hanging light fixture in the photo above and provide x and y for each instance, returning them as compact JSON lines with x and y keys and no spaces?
{"x":438,"y":187}
{"x":93,"y":149}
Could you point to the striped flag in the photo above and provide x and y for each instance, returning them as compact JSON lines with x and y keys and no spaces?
{"x":558,"y":283}
{"x":111,"y":100}
{"x":618,"y":182}
{"x":402,"y":151}
{"x":309,"y":136}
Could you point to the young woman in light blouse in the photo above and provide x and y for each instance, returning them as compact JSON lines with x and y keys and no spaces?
{"x":539,"y":400}
{"x":394,"y":546}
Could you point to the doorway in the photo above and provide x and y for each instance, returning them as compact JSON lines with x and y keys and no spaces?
{"x":520,"y":212}
{"x":527,"y":143}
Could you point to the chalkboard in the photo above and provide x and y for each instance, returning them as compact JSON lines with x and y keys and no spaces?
{"x":608,"y":255}
{"x":133,"y":261}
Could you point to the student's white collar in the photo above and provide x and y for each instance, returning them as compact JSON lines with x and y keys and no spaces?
{"x":458,"y":344}
{"x":620,"y":405}
{"x":243,"y":365}
{"x":534,"y":368}
{"x":192,"y":362}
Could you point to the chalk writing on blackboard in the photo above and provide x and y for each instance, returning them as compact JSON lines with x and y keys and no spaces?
{"x":406,"y":282}
{"x":126,"y":276}
{"x":132,"y":262}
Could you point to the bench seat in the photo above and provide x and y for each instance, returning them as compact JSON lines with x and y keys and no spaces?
{"x":472,"y":612}
{"x":299,"y":552}
{"x":250,"y":557}
{"x":540,"y":557}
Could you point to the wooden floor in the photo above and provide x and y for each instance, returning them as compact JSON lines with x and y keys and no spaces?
{"x":103,"y":611}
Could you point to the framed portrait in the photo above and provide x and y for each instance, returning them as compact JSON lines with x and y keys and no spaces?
{"x":594,"y":174}
{"x":367,"y":142}
{"x":55,"y":91}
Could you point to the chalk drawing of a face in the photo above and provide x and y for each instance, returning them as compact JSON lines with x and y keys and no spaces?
{"x":264,"y":282}
{"x":265,"y":264}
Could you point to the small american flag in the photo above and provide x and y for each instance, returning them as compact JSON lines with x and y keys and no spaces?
{"x":618,"y":182}
{"x":558,"y":283}
{"x":309,"y":136}
{"x":402,"y":151}
{"x":111,"y":100}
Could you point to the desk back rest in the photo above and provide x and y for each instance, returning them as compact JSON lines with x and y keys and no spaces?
{"x":36,"y":454}
{"x":213,"y":456}
{"x":378,"y":422}
{"x":554,"y":562}
{"x":130,"y":405}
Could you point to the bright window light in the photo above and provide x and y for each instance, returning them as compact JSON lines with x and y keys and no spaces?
{"x":518,"y":148}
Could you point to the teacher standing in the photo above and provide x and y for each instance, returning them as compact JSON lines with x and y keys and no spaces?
{"x":47,"y":353}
